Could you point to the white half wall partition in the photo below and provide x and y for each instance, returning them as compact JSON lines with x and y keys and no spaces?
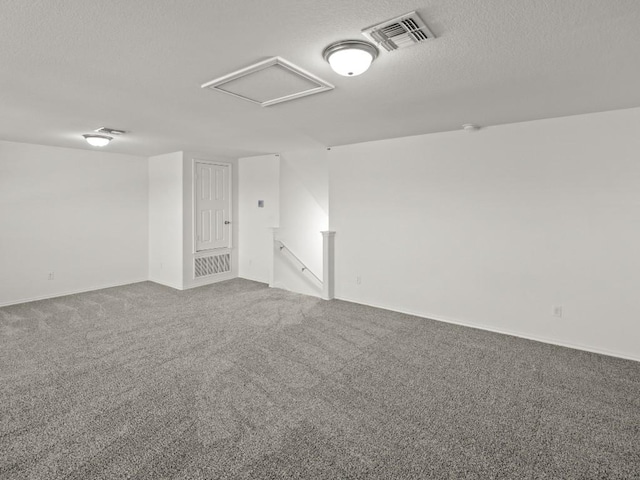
{"x":530,"y":229}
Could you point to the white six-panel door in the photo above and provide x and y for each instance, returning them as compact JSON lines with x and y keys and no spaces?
{"x":212,"y":206}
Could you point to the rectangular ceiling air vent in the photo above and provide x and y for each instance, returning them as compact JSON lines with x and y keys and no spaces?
{"x":271,"y":81}
{"x":399,"y":32}
{"x":110,"y":131}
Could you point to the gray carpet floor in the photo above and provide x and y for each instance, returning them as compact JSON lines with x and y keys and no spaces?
{"x":239,"y":381}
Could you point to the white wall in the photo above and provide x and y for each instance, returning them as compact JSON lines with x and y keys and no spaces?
{"x":79,"y":214}
{"x":259,"y":179}
{"x":166,"y":219}
{"x":171,"y":230}
{"x":495,"y":228}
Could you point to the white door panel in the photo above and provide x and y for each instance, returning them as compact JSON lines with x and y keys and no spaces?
{"x":213,"y":206}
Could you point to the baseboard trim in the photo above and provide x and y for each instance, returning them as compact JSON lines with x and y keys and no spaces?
{"x":308,"y":294}
{"x":253,"y":279}
{"x":203,"y":281}
{"x":71,"y":292}
{"x":167,"y":284}
{"x":535,"y":338}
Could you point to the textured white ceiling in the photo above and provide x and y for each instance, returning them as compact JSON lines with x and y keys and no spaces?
{"x":70,"y":66}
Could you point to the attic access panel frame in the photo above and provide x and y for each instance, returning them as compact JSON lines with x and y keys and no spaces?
{"x":321,"y":85}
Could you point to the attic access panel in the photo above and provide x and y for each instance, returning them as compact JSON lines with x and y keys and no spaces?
{"x":269,"y":82}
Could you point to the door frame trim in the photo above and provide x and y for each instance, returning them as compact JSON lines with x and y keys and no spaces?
{"x":194,"y":213}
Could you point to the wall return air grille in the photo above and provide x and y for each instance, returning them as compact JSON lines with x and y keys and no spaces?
{"x":212,"y":265}
{"x":271,"y":81}
{"x":400,"y":32}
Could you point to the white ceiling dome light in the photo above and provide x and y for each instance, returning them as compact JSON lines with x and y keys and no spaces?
{"x":97,"y":140}
{"x":350,"y":57}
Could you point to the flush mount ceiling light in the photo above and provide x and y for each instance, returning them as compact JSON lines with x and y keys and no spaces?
{"x":97,"y":140}
{"x":350,"y":57}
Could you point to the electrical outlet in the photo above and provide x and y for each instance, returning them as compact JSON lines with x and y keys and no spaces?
{"x":557,"y":311}
{"x":358,"y":280}
{"x":51,"y":276}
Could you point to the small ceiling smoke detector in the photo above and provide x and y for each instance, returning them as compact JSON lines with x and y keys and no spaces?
{"x":400,"y":32}
{"x":471,"y":127}
{"x":350,"y":57}
{"x":110,"y":131}
{"x":97,"y":140}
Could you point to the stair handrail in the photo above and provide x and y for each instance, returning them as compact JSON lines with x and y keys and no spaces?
{"x":304,"y":266}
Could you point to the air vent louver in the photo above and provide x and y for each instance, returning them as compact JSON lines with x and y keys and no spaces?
{"x":110,"y":131}
{"x":399,"y":32}
{"x":212,"y":265}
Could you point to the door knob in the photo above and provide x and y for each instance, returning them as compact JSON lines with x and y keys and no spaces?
{"x":227,"y":222}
